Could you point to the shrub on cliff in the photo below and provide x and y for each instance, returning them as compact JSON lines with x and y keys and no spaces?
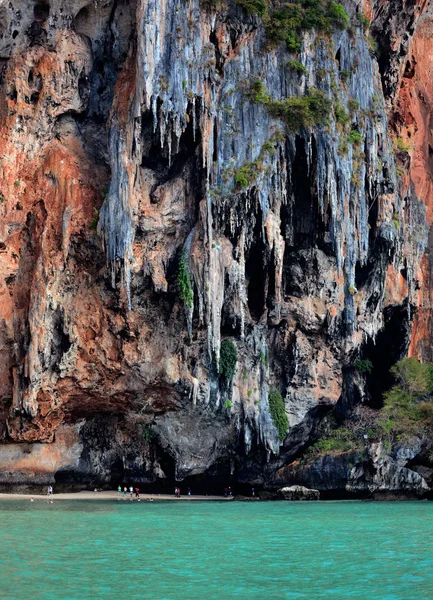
{"x":253,"y":7}
{"x":363,"y":366}
{"x":341,"y":439}
{"x":277,"y":408}
{"x":408,"y":405}
{"x":287,"y":23}
{"x":247,"y":174}
{"x":297,"y":111}
{"x":184,"y":288}
{"x":298,"y":67}
{"x":303,"y":111}
{"x":228,"y":359}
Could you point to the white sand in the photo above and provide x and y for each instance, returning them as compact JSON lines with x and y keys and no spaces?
{"x":107,"y":496}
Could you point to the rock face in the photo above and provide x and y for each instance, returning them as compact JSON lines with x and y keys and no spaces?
{"x":130,"y":142}
{"x":372,"y":473}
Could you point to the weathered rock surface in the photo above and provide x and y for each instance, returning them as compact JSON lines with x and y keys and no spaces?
{"x":122,"y":126}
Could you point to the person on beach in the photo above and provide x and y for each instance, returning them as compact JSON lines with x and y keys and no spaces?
{"x":50,"y":491}
{"x":125,"y":490}
{"x":189,"y":491}
{"x":137,"y":494}
{"x":131,"y":492}
{"x":178,"y":492}
{"x":253,"y":493}
{"x":119,"y":491}
{"x":175,"y":492}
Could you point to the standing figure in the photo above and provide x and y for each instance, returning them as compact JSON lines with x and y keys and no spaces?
{"x":131,"y":492}
{"x":137,"y":494}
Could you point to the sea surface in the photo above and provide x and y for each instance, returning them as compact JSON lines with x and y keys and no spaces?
{"x":176,"y":550}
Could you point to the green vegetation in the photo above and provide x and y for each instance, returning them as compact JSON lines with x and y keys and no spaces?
{"x":297,"y":111}
{"x":287,"y":23}
{"x":363,"y":366}
{"x":363,"y":21}
{"x":253,"y":7}
{"x":303,"y":111}
{"x":264,"y":358}
{"x":184,"y":288}
{"x":401,"y":146}
{"x":258,"y":93}
{"x":2,"y":198}
{"x":277,"y":409}
{"x":352,"y":290}
{"x":17,"y":183}
{"x":408,"y":405}
{"x":298,"y":67}
{"x":228,"y":404}
{"x":94,"y":222}
{"x":345,"y":75}
{"x":373,"y":46}
{"x":355,"y":138}
{"x":352,"y":105}
{"x":228,"y":359}
{"x":407,"y":412}
{"x":247,"y":174}
{"x":147,"y":432}
{"x":341,"y":115}
{"x":213,"y":4}
{"x":338,"y":440}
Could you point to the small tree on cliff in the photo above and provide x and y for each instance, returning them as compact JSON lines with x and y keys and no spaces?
{"x":184,"y":288}
{"x":408,"y":406}
{"x":228,"y":359}
{"x":277,"y":408}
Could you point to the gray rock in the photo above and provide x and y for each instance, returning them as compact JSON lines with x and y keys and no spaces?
{"x":299,"y":492}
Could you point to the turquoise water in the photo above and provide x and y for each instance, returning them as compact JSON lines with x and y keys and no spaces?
{"x":206,"y":550}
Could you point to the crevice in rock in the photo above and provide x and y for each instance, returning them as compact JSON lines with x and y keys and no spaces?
{"x":60,"y":341}
{"x":41,"y":11}
{"x":256,"y":271}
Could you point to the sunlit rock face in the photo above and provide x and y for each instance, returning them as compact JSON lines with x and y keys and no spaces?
{"x":125,"y":127}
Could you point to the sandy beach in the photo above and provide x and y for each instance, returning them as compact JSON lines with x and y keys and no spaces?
{"x":108,"y":495}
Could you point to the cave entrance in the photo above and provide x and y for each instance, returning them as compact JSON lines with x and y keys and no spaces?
{"x":391,"y":345}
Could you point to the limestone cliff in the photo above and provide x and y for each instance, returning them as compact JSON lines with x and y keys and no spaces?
{"x":145,"y":145}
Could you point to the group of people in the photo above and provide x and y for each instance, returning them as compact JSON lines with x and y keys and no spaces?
{"x":177,"y":492}
{"x":50,"y":493}
{"x":132,"y":490}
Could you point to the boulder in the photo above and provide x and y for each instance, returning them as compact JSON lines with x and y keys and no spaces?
{"x":299,"y":492}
